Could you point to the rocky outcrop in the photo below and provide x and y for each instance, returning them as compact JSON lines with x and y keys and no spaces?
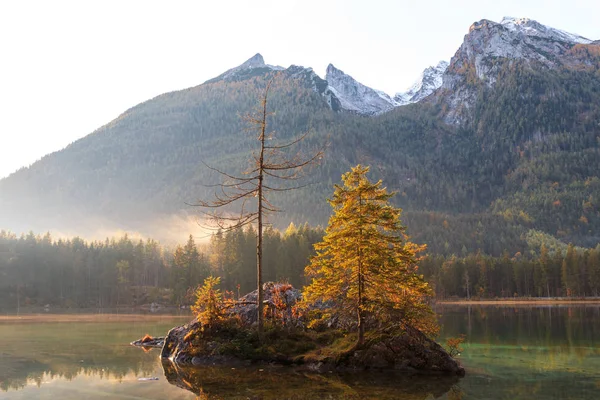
{"x":489,"y":45}
{"x":356,"y":97}
{"x":429,"y":81}
{"x":176,"y":348}
{"x":278,"y":297}
{"x":410,"y":350}
{"x":406,"y":349}
{"x":254,"y":66}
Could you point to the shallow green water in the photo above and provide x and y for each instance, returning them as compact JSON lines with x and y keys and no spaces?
{"x":510,"y":353}
{"x":524,"y":352}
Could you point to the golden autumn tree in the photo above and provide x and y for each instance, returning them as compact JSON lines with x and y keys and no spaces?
{"x":365,"y":267}
{"x":209,"y":304}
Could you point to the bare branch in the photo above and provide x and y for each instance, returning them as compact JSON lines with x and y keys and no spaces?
{"x":286,"y":189}
{"x":268,"y":162}
{"x":235,"y":178}
{"x":283,"y":146}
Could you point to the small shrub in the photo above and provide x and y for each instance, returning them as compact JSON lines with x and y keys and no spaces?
{"x":453,"y":345}
{"x":209,"y":304}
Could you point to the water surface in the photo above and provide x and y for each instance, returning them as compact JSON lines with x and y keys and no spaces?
{"x":527,"y":352}
{"x":515,"y":352}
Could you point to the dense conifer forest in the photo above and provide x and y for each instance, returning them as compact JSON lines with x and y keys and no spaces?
{"x":37,"y":270}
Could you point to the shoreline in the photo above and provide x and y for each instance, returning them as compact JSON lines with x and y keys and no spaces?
{"x":522,"y":301}
{"x":87,"y":317}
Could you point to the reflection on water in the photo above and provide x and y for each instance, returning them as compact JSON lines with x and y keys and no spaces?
{"x":509,"y":353}
{"x":37,"y":352}
{"x":539,"y":352}
{"x":285,"y":383}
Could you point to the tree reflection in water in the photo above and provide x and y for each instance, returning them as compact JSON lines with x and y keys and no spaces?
{"x":268,"y":382}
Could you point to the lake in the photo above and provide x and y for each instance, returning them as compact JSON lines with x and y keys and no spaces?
{"x":510,"y":352}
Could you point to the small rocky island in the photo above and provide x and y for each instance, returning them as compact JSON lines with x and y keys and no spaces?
{"x":366,"y":307}
{"x":331,"y":347}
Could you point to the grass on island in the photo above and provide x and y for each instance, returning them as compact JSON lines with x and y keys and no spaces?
{"x":278,"y":343}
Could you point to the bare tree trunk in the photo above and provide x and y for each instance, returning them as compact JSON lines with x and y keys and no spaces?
{"x":260,"y":308}
{"x":273,"y":161}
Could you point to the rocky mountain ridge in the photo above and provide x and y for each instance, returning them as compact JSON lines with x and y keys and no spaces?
{"x":487,"y":42}
{"x":356,"y":97}
{"x":488,"y":45}
{"x":508,"y":142}
{"x":429,"y":81}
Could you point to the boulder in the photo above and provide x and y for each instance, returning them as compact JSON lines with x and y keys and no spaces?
{"x":409,"y":350}
{"x":277,"y":296}
{"x":175,"y":347}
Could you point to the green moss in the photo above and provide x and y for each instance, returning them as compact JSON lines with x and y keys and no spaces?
{"x":334,"y":346}
{"x":277,"y":343}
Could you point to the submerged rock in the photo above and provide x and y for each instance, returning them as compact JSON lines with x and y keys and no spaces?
{"x":148,"y":341}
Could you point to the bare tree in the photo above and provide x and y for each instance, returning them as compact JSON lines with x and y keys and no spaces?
{"x":272,"y":167}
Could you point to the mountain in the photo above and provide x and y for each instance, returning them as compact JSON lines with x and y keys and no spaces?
{"x":429,"y":81}
{"x":254,"y":66}
{"x":356,"y":97}
{"x":506,"y":146}
{"x":489,"y":46}
{"x":528,"y":97}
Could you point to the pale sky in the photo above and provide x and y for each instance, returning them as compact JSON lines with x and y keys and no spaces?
{"x":69,"y":67}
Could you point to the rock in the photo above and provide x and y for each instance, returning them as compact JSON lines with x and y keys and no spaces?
{"x":410,"y":351}
{"x":148,"y":341}
{"x":273,"y":292}
{"x":175,"y":347}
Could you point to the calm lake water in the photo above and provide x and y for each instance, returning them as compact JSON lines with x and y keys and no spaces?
{"x":510,"y":353}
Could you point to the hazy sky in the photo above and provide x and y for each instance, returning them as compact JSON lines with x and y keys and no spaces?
{"x":68,"y":67}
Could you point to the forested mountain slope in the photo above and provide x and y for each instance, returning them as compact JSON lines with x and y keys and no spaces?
{"x":509,"y":143}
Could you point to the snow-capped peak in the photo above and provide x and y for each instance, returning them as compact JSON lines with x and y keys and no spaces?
{"x":516,"y":39}
{"x":530,"y":27}
{"x":428,"y":82}
{"x":253,"y":63}
{"x":488,"y":46}
{"x":354,"y":96}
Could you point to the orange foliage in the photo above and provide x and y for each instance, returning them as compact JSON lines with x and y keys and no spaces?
{"x":189,"y":336}
{"x":453,"y":345}
{"x":147,"y":338}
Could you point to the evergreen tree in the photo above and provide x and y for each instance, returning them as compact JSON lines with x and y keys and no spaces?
{"x":567,"y":272}
{"x":365,"y":266}
{"x":544,"y":263}
{"x":189,"y":269}
{"x":593,"y":267}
